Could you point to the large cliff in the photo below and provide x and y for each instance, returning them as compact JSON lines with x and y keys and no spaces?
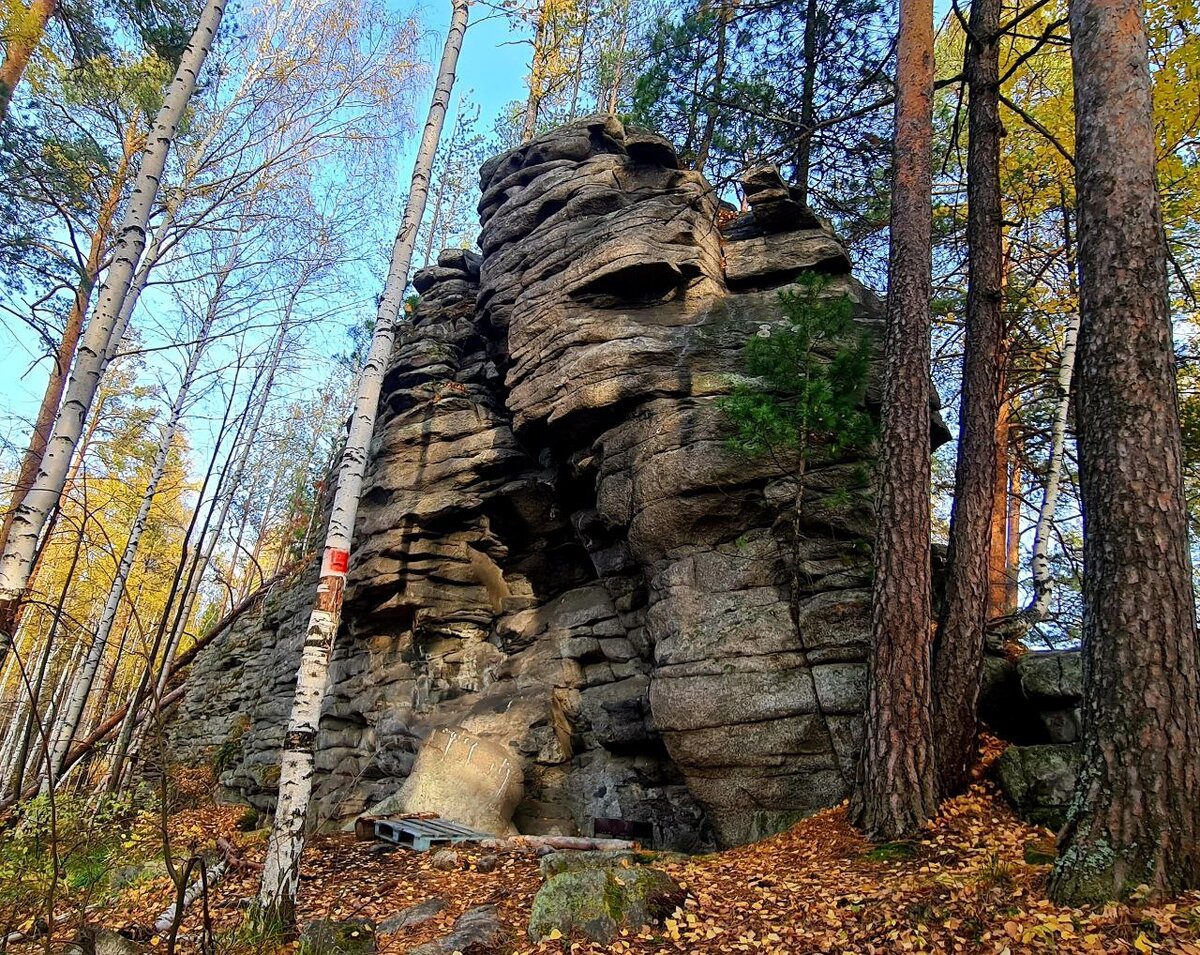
{"x":568,"y":599}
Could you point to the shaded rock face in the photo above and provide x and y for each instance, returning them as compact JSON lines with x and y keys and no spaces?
{"x":555,"y":554}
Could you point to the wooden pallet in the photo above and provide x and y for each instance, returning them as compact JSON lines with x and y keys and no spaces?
{"x":423,"y":834}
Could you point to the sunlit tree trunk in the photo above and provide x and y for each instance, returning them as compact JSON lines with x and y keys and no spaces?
{"x":30,"y":518}
{"x":82,"y":686}
{"x":896,"y":789}
{"x":958,"y":661}
{"x":1042,"y":583}
{"x":1135,"y":817}
{"x":52,"y":396}
{"x":281,"y":873}
{"x":998,"y":539}
{"x":25,"y":35}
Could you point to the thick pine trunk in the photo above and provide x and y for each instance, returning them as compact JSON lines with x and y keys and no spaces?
{"x":896,"y":790}
{"x":30,"y":518}
{"x":959,"y":660}
{"x":20,"y":47}
{"x":1135,"y":818}
{"x":281,"y":874}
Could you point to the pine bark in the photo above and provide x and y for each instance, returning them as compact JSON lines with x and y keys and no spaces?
{"x":281,"y":873}
{"x":19,"y":50}
{"x":896,"y":791}
{"x":1135,"y":818}
{"x":30,"y":518}
{"x":958,"y":663}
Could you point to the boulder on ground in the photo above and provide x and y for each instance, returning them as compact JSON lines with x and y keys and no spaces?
{"x":334,"y":937}
{"x":477,"y":931}
{"x":1039,"y":781}
{"x":413,"y":915}
{"x":463,"y":778}
{"x":597,"y":903}
{"x":93,"y":940}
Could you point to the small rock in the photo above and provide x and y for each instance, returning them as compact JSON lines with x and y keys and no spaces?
{"x":487,"y":863}
{"x":93,"y":940}
{"x":598,"y":903}
{"x":333,"y":937}
{"x":382,"y":849}
{"x":444,"y":859}
{"x":477,"y":931}
{"x":413,"y":915}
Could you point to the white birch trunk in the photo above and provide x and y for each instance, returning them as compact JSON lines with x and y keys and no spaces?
{"x":82,"y":687}
{"x":16,"y":563}
{"x":1039,"y":606}
{"x":281,"y":872}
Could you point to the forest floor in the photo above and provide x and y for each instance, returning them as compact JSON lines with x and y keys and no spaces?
{"x":974,"y":882}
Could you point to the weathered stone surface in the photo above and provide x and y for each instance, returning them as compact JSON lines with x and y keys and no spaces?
{"x":462,"y":777}
{"x":413,"y":915}
{"x":597,"y":903}
{"x":1054,"y":678}
{"x":478,"y":931}
{"x":1040,"y":780}
{"x":333,"y":937}
{"x":557,"y":560}
{"x":93,"y":940}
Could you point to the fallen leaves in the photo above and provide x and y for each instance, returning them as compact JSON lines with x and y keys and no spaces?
{"x":966,"y":885}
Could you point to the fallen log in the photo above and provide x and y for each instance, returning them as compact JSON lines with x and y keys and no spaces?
{"x":540,"y":845}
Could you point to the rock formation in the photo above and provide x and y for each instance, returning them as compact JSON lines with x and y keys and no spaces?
{"x":563,"y":582}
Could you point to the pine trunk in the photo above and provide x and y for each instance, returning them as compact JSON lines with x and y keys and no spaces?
{"x":281,"y":874}
{"x":959,"y":660}
{"x":19,"y":49}
{"x":896,"y":790}
{"x":30,"y":518}
{"x":1135,"y":818}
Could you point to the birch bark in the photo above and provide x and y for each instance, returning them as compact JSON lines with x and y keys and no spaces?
{"x":82,"y":686}
{"x":281,"y":874}
{"x":16,"y":563}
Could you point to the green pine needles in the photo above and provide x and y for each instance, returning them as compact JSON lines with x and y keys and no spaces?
{"x":810,"y":376}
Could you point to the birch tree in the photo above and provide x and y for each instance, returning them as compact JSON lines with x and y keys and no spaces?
{"x":281,"y":872}
{"x":30,"y":518}
{"x":82,"y":686}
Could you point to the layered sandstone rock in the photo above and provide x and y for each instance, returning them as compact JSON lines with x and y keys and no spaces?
{"x":556,"y":555}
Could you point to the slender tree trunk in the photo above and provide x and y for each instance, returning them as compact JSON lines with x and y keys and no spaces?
{"x":30,"y":518}
{"x":896,"y":790}
{"x":281,"y":874}
{"x":577,"y":79}
{"x":20,"y":47}
{"x":537,"y":71}
{"x":724,"y":14}
{"x":82,"y":687}
{"x":1012,"y":556}
{"x":998,"y":539}
{"x":618,"y":77}
{"x":1135,"y":818}
{"x":52,"y":396}
{"x":808,"y":94}
{"x":958,"y":663}
{"x":1043,"y":584}
{"x":34,"y":694}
